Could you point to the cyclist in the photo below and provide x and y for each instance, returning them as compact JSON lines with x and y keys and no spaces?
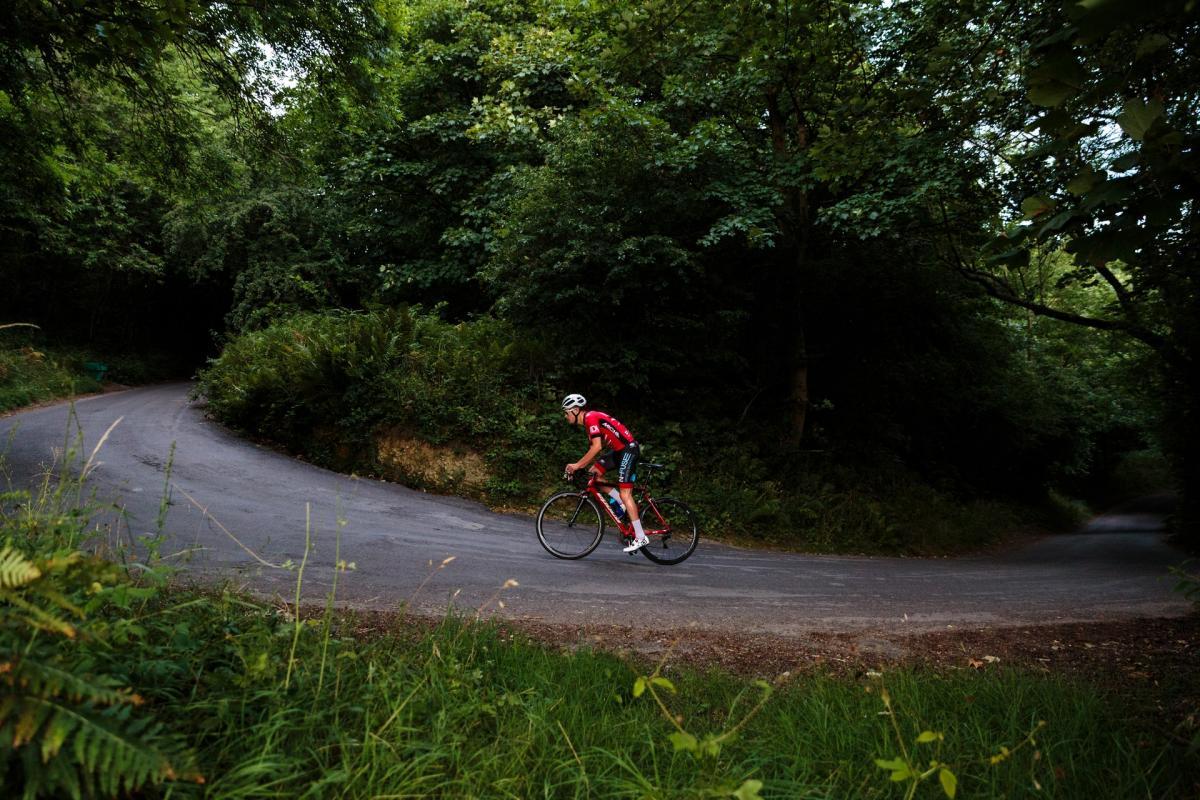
{"x":604,"y":429}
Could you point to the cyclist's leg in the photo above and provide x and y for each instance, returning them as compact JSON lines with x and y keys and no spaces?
{"x":625,"y":468}
{"x":605,"y":463}
{"x":629,"y":457}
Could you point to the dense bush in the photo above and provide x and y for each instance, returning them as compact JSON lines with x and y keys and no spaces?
{"x":31,"y":375}
{"x":33,"y":370}
{"x":316,"y":381}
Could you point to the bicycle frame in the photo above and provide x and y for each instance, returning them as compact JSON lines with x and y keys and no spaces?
{"x":644,"y":502}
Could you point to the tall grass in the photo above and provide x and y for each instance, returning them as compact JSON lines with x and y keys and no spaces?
{"x":238,"y":698}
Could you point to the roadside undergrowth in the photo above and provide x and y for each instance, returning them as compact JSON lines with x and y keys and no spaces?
{"x":31,"y":373}
{"x":34,"y":370}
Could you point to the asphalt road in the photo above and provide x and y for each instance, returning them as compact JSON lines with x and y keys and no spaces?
{"x":397,"y":537}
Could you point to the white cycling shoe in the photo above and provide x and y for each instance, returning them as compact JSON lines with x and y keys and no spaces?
{"x":638,"y":544}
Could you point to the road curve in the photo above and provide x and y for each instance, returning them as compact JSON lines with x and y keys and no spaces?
{"x":393,"y":535}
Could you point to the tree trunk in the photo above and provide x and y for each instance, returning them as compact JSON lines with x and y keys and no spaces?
{"x":795,"y":226}
{"x":800,"y":386}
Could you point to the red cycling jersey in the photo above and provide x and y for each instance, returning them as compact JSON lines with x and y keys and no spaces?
{"x":615,"y":435}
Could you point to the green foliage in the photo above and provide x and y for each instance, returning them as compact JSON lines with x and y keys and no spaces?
{"x":1140,"y":473}
{"x":64,"y":45}
{"x":1111,"y":175}
{"x":33,"y":370}
{"x":910,"y":768}
{"x":29,"y":375}
{"x":66,"y":728}
{"x":277,"y":250}
{"x":355,"y":376}
{"x":114,"y":117}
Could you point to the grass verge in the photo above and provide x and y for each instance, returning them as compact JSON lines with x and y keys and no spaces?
{"x":30,"y":375}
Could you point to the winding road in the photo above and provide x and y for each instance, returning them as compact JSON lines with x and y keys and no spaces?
{"x":224,"y":487}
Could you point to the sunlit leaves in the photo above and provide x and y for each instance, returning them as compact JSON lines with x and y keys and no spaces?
{"x":749,"y":790}
{"x":949,"y":783}
{"x":1037,"y":205}
{"x":682,"y":740}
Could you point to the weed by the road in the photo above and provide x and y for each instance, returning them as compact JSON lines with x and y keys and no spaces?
{"x":31,"y":375}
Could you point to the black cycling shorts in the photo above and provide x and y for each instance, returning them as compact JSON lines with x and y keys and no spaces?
{"x":624,"y":461}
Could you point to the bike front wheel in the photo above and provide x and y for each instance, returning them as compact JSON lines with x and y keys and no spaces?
{"x":672,"y":529}
{"x":569,"y":525}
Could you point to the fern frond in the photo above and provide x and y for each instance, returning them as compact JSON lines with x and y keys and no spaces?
{"x":109,"y":748}
{"x":56,"y":597}
{"x":37,"y":616}
{"x":49,"y":680}
{"x":16,"y":570}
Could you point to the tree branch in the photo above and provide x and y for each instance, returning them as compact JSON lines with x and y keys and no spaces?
{"x":996,"y":288}
{"x":1118,"y":287}
{"x":1000,"y":290}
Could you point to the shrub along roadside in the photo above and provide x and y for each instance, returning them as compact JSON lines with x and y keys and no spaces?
{"x":33,"y":371}
{"x":466,"y":409}
{"x":30,"y":375}
{"x":114,"y":684}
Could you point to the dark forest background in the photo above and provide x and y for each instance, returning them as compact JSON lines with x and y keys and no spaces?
{"x":866,"y":276}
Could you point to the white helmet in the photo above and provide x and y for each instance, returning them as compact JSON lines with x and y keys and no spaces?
{"x":573,"y":401}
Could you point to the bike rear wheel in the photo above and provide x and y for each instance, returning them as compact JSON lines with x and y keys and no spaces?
{"x":569,"y":525}
{"x":672,"y":529}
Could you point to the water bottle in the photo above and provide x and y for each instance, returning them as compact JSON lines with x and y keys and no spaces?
{"x":617,"y":508}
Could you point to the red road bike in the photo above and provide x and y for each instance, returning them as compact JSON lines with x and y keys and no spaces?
{"x":571,"y":524}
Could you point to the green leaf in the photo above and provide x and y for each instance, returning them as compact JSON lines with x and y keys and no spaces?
{"x":894,"y":764}
{"x":1036,"y":206}
{"x":664,"y":683}
{"x":929,"y":736}
{"x":949,"y":782}
{"x":1082,"y":183}
{"x":639,"y":687}
{"x":683,"y":741}
{"x":1137,"y":117}
{"x":1056,"y":222}
{"x":1049,"y":94}
{"x":710,"y":746}
{"x":749,"y":790}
